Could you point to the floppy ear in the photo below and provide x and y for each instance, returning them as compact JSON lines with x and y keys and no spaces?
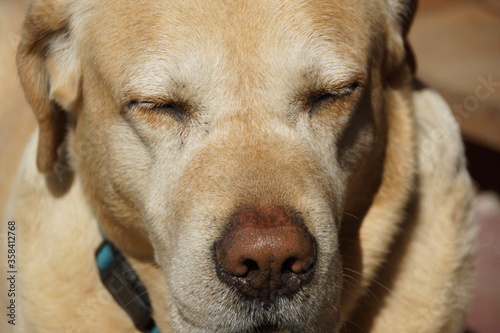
{"x":402,"y":13}
{"x":50,"y":75}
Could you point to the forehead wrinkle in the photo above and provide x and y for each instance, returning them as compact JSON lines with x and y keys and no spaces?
{"x":288,"y":39}
{"x":157,"y":31}
{"x":254,"y":46}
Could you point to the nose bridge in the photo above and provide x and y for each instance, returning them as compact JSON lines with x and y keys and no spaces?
{"x":261,"y":145}
{"x":251,"y":155}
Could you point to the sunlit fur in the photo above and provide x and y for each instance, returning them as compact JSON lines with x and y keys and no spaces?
{"x":158,"y":120}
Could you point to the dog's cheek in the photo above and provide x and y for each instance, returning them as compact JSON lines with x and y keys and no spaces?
{"x":113,"y":167}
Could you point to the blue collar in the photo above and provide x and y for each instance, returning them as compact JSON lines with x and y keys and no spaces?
{"x":125,"y":286}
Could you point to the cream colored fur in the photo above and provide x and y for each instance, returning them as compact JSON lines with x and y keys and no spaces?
{"x":158,"y":120}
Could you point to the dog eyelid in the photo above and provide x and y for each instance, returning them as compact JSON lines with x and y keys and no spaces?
{"x":178,"y":110}
{"x":323,"y":96}
{"x":344,"y":90}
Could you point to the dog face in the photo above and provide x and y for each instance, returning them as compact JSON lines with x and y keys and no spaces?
{"x":225,"y":142}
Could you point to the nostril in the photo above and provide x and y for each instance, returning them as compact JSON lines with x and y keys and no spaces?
{"x":251,"y":265}
{"x":287,"y":266}
{"x":245,"y":269}
{"x":298,"y":266}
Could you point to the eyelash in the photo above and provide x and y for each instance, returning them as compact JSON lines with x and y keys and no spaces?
{"x":316,"y":102}
{"x":322,"y":97}
{"x":176,"y":110}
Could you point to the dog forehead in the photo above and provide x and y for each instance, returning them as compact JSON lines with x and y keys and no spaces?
{"x":147,"y":43}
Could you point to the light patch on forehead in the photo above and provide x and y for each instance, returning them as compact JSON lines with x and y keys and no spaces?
{"x":156,"y":47}
{"x":167,"y":74}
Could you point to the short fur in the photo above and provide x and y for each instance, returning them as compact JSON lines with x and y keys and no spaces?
{"x":158,"y":120}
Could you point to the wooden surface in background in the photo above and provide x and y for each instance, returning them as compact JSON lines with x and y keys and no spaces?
{"x":457,"y":45}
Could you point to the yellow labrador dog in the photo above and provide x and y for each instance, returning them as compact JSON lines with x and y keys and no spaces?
{"x":263,"y":166}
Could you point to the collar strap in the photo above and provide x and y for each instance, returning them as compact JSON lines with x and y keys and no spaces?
{"x":122,"y":282}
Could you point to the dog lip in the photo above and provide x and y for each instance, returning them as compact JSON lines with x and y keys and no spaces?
{"x":268,"y":329}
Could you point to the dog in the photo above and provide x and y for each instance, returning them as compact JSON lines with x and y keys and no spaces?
{"x":262,"y":166}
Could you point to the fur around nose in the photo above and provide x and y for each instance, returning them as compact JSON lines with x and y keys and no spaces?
{"x":266,"y":253}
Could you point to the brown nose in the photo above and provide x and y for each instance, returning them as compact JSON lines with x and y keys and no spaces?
{"x":266,"y":253}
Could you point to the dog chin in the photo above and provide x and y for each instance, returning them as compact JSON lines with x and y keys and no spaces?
{"x":284,"y":315}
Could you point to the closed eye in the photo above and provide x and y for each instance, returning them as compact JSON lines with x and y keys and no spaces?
{"x":324,"y":97}
{"x":178,"y":110}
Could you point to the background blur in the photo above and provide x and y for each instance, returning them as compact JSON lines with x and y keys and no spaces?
{"x":457,"y":46}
